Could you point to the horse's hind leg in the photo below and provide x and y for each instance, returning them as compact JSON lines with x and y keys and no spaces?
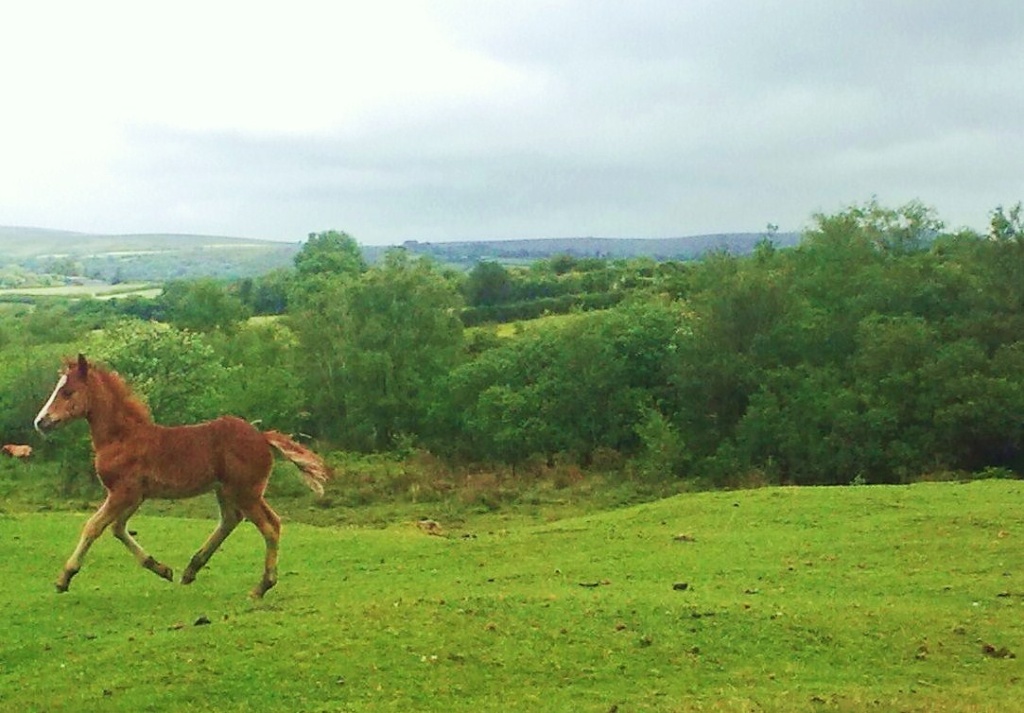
{"x":269,"y":525}
{"x":230,"y":516}
{"x":141,"y":556}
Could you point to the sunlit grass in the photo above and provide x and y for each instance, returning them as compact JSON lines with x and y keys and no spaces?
{"x":98,"y":291}
{"x":880,"y":598}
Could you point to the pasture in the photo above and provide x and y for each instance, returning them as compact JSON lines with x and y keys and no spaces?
{"x":100,"y":291}
{"x":880,"y":598}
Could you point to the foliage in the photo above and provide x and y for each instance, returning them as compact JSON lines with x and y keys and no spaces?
{"x":265,"y":294}
{"x":266,"y":382}
{"x":201,"y":305}
{"x":329,"y":253}
{"x":880,"y":349}
{"x":52,"y":322}
{"x":1007,"y":225}
{"x":496,"y":293}
{"x":376,"y":344}
{"x":571,"y":389}
{"x":877,"y":350}
{"x":662,"y":454}
{"x":488,"y":283}
{"x":539,"y":307}
{"x":27,"y":376}
{"x":176,"y":372}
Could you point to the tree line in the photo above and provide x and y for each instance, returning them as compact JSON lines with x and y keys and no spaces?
{"x":880,"y":349}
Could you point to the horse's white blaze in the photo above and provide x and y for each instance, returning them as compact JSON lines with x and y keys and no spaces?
{"x":46,"y":407}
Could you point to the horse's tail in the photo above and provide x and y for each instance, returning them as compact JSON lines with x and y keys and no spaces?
{"x":314,"y":471}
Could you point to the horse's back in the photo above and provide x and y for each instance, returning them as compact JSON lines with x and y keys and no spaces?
{"x":227,"y":452}
{"x":243,"y":450}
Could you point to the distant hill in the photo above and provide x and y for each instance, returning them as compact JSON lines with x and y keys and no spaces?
{"x":158,"y":257}
{"x":147,"y":257}
{"x":19,"y":242}
{"x":684,"y":248}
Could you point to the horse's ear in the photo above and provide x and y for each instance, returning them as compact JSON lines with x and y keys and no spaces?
{"x":83,"y":366}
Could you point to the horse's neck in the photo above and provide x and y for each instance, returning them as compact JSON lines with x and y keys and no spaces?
{"x":114,"y":415}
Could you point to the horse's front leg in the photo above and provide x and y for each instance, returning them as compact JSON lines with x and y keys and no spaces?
{"x":141,"y":556}
{"x":94,"y":527}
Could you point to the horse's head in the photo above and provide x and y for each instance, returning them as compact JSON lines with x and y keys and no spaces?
{"x":70,"y":398}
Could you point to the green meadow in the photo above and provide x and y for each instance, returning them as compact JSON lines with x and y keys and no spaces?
{"x":882,"y":598}
{"x":98,"y":291}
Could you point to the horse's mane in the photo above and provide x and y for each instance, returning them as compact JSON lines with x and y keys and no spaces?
{"x":132,"y":408}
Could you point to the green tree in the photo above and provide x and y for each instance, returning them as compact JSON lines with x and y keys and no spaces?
{"x":201,"y":305}
{"x":743,"y":315}
{"x":1001,"y":273}
{"x":268,"y":293}
{"x":803,"y":426}
{"x":571,"y":389}
{"x":893,"y":231}
{"x":487,"y":284}
{"x":263,"y":359}
{"x":176,"y":372}
{"x":1007,"y":225}
{"x":329,"y":253}
{"x":377,"y":343}
{"x":976,"y":405}
{"x":324,"y":261}
{"x":663,"y":454}
{"x":51,"y":322}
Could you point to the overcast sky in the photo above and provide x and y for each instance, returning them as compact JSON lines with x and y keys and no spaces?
{"x":496,"y":119}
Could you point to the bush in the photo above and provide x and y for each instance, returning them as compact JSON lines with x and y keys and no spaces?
{"x":663,"y":455}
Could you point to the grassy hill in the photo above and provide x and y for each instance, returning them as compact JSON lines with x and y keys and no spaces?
{"x":21,"y":243}
{"x":155,"y":257}
{"x":683,"y":248}
{"x":150,"y":257}
{"x":812,"y":599}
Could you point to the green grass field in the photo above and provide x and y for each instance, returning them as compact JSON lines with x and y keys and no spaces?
{"x":102,"y":292}
{"x":815,"y":599}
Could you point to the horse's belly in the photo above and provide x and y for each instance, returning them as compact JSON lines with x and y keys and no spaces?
{"x":154,"y":487}
{"x":177,"y":479}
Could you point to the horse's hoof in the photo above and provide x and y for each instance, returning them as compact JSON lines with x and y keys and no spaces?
{"x":262,"y":588}
{"x":64,"y":581}
{"x":188,"y":577}
{"x":159,"y":569}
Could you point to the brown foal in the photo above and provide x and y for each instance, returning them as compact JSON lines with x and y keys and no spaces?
{"x":138,"y":459}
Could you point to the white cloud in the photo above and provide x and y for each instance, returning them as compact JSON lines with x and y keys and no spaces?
{"x":259,"y":68}
{"x":452,"y":119}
